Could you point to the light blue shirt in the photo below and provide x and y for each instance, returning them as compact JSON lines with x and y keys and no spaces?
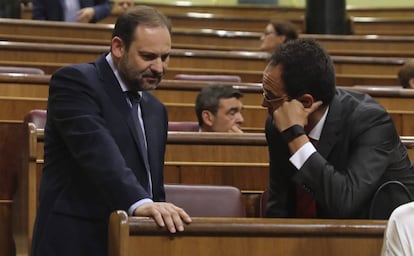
{"x":110,"y":61}
{"x":70,"y":10}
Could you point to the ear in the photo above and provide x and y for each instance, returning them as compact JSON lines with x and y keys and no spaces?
{"x":117,"y":47}
{"x":411,"y":83}
{"x":306,"y":99}
{"x":208,"y":117}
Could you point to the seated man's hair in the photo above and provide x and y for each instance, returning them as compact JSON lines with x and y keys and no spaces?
{"x":405,"y":73}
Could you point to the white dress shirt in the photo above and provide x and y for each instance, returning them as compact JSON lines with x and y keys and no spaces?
{"x":399,"y":234}
{"x":300,"y":156}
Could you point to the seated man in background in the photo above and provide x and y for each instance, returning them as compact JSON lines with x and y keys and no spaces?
{"x":330,"y":149}
{"x":120,"y":6}
{"x":83,"y":11}
{"x":218,"y":109}
{"x":277,"y":32}
{"x":406,"y":75}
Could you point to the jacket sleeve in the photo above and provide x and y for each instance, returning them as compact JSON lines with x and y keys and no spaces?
{"x":75,"y":110}
{"x":344,"y":184}
{"x":102,"y":10}
{"x":38,"y":11}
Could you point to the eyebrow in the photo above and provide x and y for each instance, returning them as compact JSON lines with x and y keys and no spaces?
{"x":269,"y":93}
{"x":153,"y":55}
{"x":237,"y":109}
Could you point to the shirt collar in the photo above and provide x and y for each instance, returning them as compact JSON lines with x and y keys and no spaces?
{"x":315,"y":133}
{"x":110,"y":61}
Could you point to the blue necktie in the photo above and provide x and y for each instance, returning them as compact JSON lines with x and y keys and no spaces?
{"x":135,"y":100}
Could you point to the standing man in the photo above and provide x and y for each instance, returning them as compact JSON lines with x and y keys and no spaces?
{"x":83,"y":11}
{"x":355,"y":146}
{"x":103,"y":150}
{"x":218,"y":109}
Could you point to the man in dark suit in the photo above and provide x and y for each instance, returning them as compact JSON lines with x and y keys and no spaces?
{"x":355,"y":146}
{"x":95,"y":162}
{"x":71,"y":10}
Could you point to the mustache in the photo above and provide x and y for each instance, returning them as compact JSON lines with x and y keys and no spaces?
{"x":158,"y":75}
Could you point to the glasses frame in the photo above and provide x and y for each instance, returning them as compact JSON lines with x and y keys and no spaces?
{"x":267,"y":33}
{"x":277,"y":99}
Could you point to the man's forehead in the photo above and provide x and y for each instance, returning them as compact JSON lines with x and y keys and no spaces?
{"x":229,"y":102}
{"x":271,"y":77}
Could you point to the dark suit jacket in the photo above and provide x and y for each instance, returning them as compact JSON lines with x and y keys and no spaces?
{"x":359,"y":149}
{"x":52,"y":9}
{"x":93,"y":164}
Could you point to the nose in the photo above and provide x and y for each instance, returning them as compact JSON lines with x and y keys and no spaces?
{"x":158,"y":65}
{"x":239,"y":118}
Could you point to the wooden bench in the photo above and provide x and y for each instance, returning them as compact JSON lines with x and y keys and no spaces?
{"x":239,"y":160}
{"x":201,"y":39}
{"x":185,"y":91}
{"x":395,"y":25}
{"x":61,"y":55}
{"x":262,"y":10}
{"x":254,"y":115}
{"x":11,"y":137}
{"x":402,"y":26}
{"x":244,"y":236}
{"x":47,"y":32}
{"x":23,"y":93}
{"x":246,"y":75}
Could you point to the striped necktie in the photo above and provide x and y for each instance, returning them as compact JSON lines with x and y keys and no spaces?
{"x":135,"y":99}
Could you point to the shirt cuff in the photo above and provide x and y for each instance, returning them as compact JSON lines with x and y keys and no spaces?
{"x":137,"y":204}
{"x":300,"y":157}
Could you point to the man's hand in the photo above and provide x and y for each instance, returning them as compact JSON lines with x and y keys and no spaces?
{"x":235,"y":129}
{"x":85,"y":15}
{"x":293,"y":112}
{"x":25,"y":2}
{"x":164,"y":214}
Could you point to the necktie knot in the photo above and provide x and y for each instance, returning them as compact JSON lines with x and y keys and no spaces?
{"x":134,"y":97}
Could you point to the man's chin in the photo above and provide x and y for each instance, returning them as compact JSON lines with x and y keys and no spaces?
{"x":150,"y":83}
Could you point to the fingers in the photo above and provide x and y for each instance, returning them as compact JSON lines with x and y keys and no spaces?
{"x":165,"y":215}
{"x":235,"y":129}
{"x":314,"y":107}
{"x":85,"y":15}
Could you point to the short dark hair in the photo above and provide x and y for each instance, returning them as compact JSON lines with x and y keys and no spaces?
{"x":405,"y":73}
{"x":209,"y":98}
{"x":128,"y":21}
{"x":285,"y":28}
{"x":306,"y":68}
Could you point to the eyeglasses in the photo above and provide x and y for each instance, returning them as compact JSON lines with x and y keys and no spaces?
{"x":275,"y":99}
{"x":266,"y":33}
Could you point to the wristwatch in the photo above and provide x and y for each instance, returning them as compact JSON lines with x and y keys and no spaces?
{"x":292,"y":132}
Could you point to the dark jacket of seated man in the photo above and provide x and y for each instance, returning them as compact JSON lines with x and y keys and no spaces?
{"x":357,"y":150}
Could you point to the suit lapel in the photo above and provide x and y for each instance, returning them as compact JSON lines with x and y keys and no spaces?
{"x":330,"y":130}
{"x":149,"y":124}
{"x":114,"y":92}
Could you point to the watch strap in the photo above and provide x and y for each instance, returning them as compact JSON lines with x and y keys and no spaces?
{"x":292,"y":132}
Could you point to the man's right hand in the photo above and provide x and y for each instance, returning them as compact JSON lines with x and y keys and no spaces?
{"x":165,"y":215}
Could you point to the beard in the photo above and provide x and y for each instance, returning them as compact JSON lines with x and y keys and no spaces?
{"x":138,"y":81}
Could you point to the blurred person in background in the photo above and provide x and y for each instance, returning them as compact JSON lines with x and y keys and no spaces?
{"x":277,"y":32}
